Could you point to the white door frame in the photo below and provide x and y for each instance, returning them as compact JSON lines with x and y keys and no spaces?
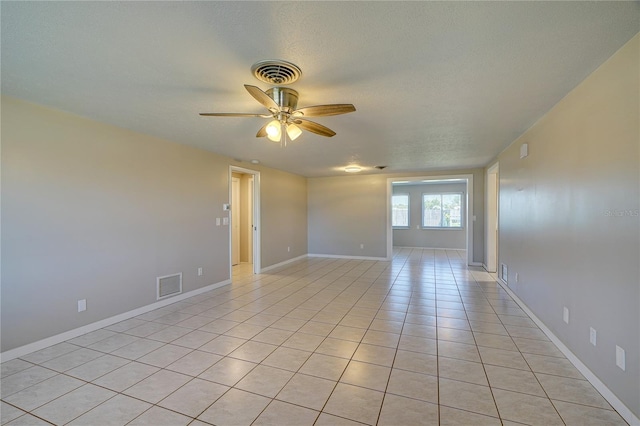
{"x":251,"y":225}
{"x":236,"y":205}
{"x":469,"y":214}
{"x":493,"y":218}
{"x":256,"y":217}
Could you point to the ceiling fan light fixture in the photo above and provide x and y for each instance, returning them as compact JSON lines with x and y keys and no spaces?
{"x":353,"y":169}
{"x":274,"y":131}
{"x":287,"y":120}
{"x":293,"y":131}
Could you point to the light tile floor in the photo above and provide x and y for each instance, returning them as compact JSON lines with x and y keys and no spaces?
{"x":422,"y":339}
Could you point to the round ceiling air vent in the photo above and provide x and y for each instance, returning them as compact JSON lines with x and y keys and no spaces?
{"x":276,"y":72}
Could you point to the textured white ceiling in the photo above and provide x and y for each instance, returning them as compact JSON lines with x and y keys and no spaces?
{"x":437,"y":85}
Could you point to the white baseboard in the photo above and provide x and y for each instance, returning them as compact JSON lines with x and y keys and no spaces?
{"x":429,"y":248}
{"x":62,"y":337}
{"x":277,"y":265}
{"x":486,"y":268}
{"x":338,"y":256}
{"x":475,"y":264}
{"x":618,"y":405}
{"x":331,"y":256}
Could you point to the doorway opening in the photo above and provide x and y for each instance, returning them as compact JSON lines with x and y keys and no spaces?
{"x":493,"y":200}
{"x":467,"y":219}
{"x":244,"y":235}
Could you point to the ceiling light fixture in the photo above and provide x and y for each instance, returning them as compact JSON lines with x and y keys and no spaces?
{"x":293,"y":131}
{"x":287,"y":121}
{"x":275,"y":131}
{"x":353,"y":169}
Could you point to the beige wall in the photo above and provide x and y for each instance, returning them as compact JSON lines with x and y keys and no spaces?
{"x":346,"y":211}
{"x":283,"y":199}
{"x":558,"y":223}
{"x":91,"y":211}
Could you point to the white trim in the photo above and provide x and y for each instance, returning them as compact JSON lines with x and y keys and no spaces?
{"x":440,"y":228}
{"x":492,"y":217}
{"x":469,"y":212}
{"x":62,"y":337}
{"x":277,"y":265}
{"x":618,"y":405}
{"x":475,"y":264}
{"x":428,"y":248}
{"x":257,"y":256}
{"x":338,"y":256}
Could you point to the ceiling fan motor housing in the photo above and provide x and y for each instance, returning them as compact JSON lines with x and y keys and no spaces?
{"x":286,"y":98}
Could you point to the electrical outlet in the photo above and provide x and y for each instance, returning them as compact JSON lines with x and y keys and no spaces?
{"x":517,"y":277}
{"x":82,"y":305}
{"x":620,"y":358}
{"x":288,"y":249}
{"x":565,"y":315}
{"x":199,"y":272}
{"x":592,"y":335}
{"x":217,"y":221}
{"x":225,"y":220}
{"x":361,"y":246}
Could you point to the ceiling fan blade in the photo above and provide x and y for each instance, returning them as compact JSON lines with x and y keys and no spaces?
{"x":262,"y":97}
{"x":322,"y":110}
{"x":233,"y":114}
{"x":263,"y":131}
{"x":314,"y":127}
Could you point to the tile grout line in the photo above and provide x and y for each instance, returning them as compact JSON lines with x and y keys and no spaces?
{"x":486,"y":376}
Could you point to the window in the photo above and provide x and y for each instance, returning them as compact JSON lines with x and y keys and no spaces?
{"x":442,"y":210}
{"x":400,"y":210}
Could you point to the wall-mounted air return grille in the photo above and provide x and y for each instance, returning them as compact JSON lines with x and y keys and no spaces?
{"x":169,"y":285}
{"x":276,"y":72}
{"x":504,"y":273}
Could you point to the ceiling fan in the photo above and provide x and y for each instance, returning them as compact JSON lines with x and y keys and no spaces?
{"x":282,"y":102}
{"x":286,"y":117}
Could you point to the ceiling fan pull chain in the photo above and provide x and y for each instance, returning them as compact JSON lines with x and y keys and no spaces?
{"x":284,"y":134}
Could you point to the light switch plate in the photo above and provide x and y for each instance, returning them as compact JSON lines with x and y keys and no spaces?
{"x":82,"y":305}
